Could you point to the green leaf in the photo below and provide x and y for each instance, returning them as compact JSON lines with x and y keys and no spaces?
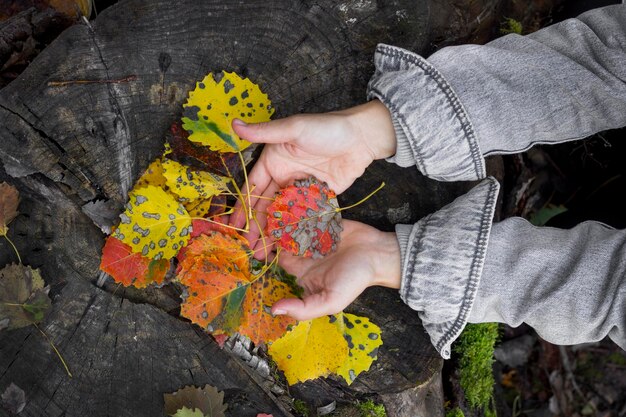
{"x":544,"y":215}
{"x":186,"y":412}
{"x":23,"y":298}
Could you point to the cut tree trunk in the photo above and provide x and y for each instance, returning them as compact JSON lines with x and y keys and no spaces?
{"x":82,"y":123}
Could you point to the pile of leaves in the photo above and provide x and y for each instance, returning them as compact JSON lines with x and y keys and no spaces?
{"x":174,"y":230}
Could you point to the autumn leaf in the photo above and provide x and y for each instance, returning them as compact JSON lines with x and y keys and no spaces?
{"x":72,"y":7}
{"x":9,"y":200}
{"x":154,"y":223}
{"x":196,"y":156}
{"x":206,"y":401}
{"x":200,"y":207}
{"x":215,"y":269}
{"x":129,"y":268}
{"x":342,"y":344}
{"x":222,"y":294}
{"x":258,"y":323}
{"x":312,"y":349}
{"x":304,"y":219}
{"x":212,"y":106}
{"x":363,"y":338}
{"x":153,"y":175}
{"x":187,"y":412}
{"x":23,"y":297}
{"x":190,"y":184}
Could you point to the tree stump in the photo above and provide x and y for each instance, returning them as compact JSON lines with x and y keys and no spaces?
{"x":83,"y":122}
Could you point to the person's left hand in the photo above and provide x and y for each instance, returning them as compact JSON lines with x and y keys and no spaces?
{"x":365,"y":257}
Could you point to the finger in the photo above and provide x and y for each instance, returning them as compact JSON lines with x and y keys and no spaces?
{"x":259,"y":179}
{"x":275,"y":131}
{"x":257,"y":226}
{"x":308,"y":308}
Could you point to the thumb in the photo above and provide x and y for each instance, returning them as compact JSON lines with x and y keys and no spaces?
{"x":310,"y":307}
{"x":275,"y":131}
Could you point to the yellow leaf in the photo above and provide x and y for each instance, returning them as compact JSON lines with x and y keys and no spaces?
{"x":153,"y":175}
{"x":364,"y":339}
{"x":154,"y":223}
{"x":312,"y":349}
{"x":198,"y":208}
{"x":190,"y":184}
{"x":212,"y":106}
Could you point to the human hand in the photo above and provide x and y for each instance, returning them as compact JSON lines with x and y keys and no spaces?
{"x":334,"y":147}
{"x":365,"y":257}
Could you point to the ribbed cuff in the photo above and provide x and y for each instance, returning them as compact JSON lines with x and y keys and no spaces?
{"x":442,"y":261}
{"x":433,"y":130}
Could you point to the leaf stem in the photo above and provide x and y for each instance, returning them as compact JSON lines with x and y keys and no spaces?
{"x":67,"y":369}
{"x":363,"y":200}
{"x":265,"y":245}
{"x":237,"y":190}
{"x":245,"y":176}
{"x":14,"y":248}
{"x":221,"y":224}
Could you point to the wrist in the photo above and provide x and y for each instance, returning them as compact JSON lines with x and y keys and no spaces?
{"x":373,"y":124}
{"x":388,"y":265}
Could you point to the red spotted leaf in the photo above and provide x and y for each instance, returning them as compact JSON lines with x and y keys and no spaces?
{"x":129,"y":268}
{"x":304,"y":219}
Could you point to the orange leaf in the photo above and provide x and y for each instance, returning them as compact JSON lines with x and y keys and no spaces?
{"x":223,"y":296}
{"x":213,"y":268}
{"x":258,"y":322}
{"x":128,"y":268}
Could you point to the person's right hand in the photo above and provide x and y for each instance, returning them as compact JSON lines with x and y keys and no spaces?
{"x":334,"y":147}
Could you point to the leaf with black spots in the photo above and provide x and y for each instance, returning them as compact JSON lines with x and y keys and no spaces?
{"x":192,"y":184}
{"x":363,"y":338}
{"x":312,"y":349}
{"x":214,"y":104}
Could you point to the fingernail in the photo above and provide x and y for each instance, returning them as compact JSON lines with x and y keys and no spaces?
{"x":279,"y":312}
{"x":239,"y":122}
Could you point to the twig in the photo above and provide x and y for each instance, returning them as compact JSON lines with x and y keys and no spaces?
{"x":570,"y":374}
{"x":67,"y":369}
{"x":69,"y":82}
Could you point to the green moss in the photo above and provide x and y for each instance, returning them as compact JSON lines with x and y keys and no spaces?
{"x":475,"y":349}
{"x":617,"y":358}
{"x":300,"y":408}
{"x":455,"y":412}
{"x":511,"y":26}
{"x":370,"y":409}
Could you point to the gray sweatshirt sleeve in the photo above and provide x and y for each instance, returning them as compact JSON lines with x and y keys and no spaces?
{"x":569,"y":285}
{"x":562,"y":83}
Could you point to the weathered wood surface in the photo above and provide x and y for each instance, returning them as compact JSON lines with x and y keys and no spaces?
{"x":71,"y":145}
